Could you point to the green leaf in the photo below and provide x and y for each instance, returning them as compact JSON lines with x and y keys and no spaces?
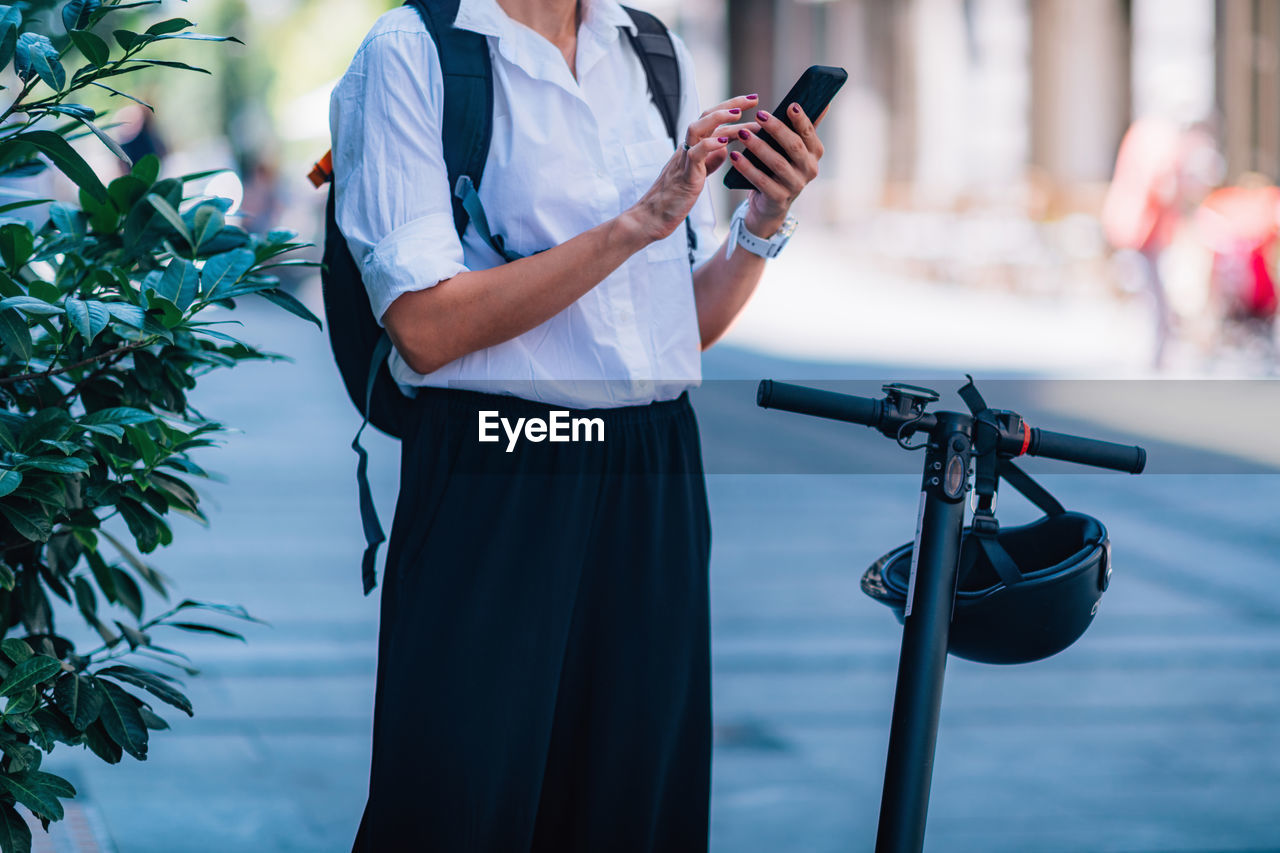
{"x":65,"y":158}
{"x":52,"y":422}
{"x":78,"y":14}
{"x":121,"y":719}
{"x":30,"y":305}
{"x":15,"y":835}
{"x":147,"y":169}
{"x":29,"y":523}
{"x":92,"y":47}
{"x":69,"y":221}
{"x":165,"y":209}
{"x":171,"y":316}
{"x":130,"y":315}
{"x":73,"y":110}
{"x":16,"y":245}
{"x":136,"y":639}
{"x":31,"y":672}
{"x":9,"y":480}
{"x":79,"y":697}
{"x":8,"y":46}
{"x":180,"y":283}
{"x":16,"y":650}
{"x":18,"y":205}
{"x":208,"y":223}
{"x":96,"y":738}
{"x":88,"y":317}
{"x":36,"y":55}
{"x":127,"y":190}
{"x":22,"y":704}
{"x":57,"y":464}
{"x":222,"y":271}
{"x":38,"y":791}
{"x":144,"y":571}
{"x":102,"y":574}
{"x":197,"y":37}
{"x":152,"y":683}
{"x":125,"y":38}
{"x":22,"y":756}
{"x":290,"y":304}
{"x":167,"y":63}
{"x":15,"y":334}
{"x":7,"y":578}
{"x":127,"y":592}
{"x":122,"y":415}
{"x":204,"y":629}
{"x":10,"y":19}
{"x":172,"y":25}
{"x":112,"y":146}
{"x":41,"y":289}
{"x":152,"y":720}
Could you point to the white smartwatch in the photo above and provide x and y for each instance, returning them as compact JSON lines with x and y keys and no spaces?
{"x":765,"y":247}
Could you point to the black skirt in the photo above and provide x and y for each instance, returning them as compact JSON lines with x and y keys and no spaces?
{"x":543,"y":665}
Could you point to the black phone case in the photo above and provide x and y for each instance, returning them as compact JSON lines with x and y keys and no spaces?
{"x":813,"y":92}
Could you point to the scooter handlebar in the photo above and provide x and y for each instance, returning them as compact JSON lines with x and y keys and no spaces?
{"x":877,"y":413}
{"x":1087,"y":451}
{"x":818,"y":403}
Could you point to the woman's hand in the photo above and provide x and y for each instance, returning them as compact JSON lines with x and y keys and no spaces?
{"x":772,"y":197}
{"x":668,"y":202}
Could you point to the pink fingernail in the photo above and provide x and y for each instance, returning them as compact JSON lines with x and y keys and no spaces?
{"x":752,"y":97}
{"x":735,"y":156}
{"x":722,"y":139}
{"x":795,"y":108}
{"x":742,"y":134}
{"x":734,"y":111}
{"x":762,"y":115}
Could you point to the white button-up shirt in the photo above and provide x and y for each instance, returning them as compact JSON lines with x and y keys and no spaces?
{"x":566,"y":155}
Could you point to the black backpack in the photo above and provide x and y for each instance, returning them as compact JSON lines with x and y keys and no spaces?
{"x":360,"y":345}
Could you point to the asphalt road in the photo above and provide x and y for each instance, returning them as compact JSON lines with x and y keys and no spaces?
{"x":1158,"y":731}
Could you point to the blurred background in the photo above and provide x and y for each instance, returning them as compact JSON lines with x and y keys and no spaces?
{"x":1028,"y":190}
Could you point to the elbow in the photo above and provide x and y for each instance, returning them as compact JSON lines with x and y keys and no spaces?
{"x":420,"y":341}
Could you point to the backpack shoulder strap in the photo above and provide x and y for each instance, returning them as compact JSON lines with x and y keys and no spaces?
{"x":657,"y":54}
{"x":652,"y":43}
{"x":468,"y":97}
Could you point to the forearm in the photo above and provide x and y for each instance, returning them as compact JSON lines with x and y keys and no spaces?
{"x":482,"y":308}
{"x":722,"y":286}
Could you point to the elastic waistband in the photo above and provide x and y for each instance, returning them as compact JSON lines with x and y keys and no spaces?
{"x":463,"y":405}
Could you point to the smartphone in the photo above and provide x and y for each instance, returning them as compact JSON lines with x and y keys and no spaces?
{"x":813,"y":92}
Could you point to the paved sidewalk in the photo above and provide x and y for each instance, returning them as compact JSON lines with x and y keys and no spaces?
{"x":1159,"y":731}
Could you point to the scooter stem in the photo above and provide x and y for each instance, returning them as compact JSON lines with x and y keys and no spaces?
{"x":923,"y":660}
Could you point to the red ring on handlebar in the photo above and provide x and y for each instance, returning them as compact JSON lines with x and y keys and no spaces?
{"x":1026,"y":438}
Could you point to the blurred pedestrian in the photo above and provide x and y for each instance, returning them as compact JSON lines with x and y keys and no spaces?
{"x":1163,"y":170}
{"x":1140,"y":211}
{"x":544,"y":670}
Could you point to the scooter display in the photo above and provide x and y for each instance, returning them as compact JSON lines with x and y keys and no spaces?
{"x":996,"y":597}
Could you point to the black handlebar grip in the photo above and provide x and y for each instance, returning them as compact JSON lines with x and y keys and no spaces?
{"x":1087,"y":451}
{"x":820,"y":404}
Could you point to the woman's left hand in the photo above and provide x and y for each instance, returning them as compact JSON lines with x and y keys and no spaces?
{"x":772,"y":197}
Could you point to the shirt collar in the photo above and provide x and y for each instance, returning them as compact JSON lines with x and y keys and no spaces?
{"x":487,"y":17}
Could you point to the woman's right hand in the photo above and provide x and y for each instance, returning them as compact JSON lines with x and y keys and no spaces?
{"x":667,"y":203}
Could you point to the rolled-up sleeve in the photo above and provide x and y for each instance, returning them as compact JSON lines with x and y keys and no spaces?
{"x":703,"y":214}
{"x":392,"y":187}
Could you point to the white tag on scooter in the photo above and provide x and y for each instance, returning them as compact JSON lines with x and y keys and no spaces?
{"x":915,"y":558}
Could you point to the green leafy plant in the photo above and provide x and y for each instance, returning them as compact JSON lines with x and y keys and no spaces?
{"x":104,"y":332}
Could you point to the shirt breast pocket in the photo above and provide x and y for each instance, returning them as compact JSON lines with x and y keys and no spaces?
{"x":645,"y":161}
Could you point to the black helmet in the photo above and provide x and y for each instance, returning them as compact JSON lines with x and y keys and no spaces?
{"x":1023,"y":593}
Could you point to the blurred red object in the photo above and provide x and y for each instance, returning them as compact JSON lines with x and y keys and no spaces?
{"x":1240,"y":226}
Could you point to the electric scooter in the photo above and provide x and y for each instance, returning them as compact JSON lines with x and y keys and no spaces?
{"x":954,"y":441}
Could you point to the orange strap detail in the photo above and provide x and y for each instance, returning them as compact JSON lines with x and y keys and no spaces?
{"x":322,"y":172}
